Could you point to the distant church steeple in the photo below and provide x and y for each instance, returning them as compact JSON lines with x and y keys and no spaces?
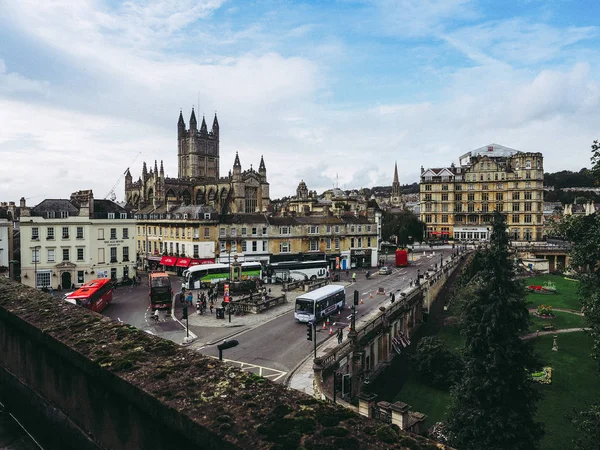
{"x":396,"y":198}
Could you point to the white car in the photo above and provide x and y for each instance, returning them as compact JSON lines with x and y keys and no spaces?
{"x":385,"y":270}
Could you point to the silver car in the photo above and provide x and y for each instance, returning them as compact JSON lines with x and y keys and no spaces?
{"x":385,"y":270}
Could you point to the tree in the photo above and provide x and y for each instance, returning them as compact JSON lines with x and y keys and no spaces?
{"x":584,"y":233}
{"x":493,"y":406}
{"x":435,"y":364}
{"x":402,"y":225}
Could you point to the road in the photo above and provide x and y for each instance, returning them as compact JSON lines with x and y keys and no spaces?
{"x":281,"y":344}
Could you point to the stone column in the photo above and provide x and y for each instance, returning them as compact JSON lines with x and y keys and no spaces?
{"x":365,"y":404}
{"x":400,"y":414}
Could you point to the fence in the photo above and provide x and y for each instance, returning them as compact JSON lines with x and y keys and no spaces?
{"x":256,"y":307}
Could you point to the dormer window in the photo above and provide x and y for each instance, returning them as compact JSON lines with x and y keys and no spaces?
{"x":206,"y":216}
{"x":111,"y":215}
{"x":123,"y":216}
{"x":50,"y":215}
{"x":64,"y":214}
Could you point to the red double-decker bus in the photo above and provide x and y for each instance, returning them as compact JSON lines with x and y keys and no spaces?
{"x":160,"y":291}
{"x":94,"y":295}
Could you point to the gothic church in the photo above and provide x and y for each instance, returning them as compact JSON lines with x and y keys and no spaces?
{"x":198,"y":181}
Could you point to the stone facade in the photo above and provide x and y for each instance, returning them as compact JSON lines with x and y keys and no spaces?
{"x":458,"y":202}
{"x":67,"y":242}
{"x":198,"y":181}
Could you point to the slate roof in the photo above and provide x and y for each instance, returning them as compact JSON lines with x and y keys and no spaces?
{"x":54,"y":205}
{"x":231,"y":219}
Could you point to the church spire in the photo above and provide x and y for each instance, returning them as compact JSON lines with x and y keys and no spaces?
{"x":203,"y":128}
{"x":193,"y":122}
{"x":215,"y":125}
{"x":396,"y":172}
{"x":180,"y":125}
{"x":236,"y":163}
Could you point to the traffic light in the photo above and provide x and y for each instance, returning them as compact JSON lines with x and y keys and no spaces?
{"x":338,"y":382}
{"x":309,"y":331}
{"x":356,"y":298}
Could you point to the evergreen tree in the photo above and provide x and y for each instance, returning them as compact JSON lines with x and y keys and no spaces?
{"x":493,"y":406}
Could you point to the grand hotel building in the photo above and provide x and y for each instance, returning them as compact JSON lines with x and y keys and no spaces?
{"x":458,"y":202}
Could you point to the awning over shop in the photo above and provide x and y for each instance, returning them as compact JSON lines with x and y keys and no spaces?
{"x":168,"y":260}
{"x":183,"y":262}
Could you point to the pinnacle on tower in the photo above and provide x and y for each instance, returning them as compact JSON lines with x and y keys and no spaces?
{"x":155,"y":167}
{"x":396,"y":173}
{"x":193,"y":122}
{"x":203,"y":128}
{"x":144,"y":169}
{"x":261,"y":167}
{"x":236,"y":163}
{"x":162,"y":170}
{"x":180,"y":125}
{"x":215,"y":125}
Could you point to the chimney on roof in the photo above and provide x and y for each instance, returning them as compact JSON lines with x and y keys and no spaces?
{"x":22,"y":202}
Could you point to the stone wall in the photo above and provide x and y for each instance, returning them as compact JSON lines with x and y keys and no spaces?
{"x":96,"y":383}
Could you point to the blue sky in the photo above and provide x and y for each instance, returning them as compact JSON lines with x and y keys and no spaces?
{"x":325,"y":90}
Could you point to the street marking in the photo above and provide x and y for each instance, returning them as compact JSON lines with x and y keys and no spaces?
{"x":265,"y":372}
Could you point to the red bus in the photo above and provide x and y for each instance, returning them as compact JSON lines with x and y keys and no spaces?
{"x":94,"y":295}
{"x":401,"y":258}
{"x":160,"y":292}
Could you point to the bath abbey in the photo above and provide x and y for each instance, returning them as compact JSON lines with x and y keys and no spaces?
{"x":198,"y":181}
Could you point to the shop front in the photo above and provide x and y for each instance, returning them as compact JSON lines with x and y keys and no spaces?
{"x":168,"y":263}
{"x":152,"y":262}
{"x":360,"y":257}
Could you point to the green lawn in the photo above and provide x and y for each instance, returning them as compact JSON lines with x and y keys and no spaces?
{"x":566,"y":296}
{"x":574,"y":383}
{"x":425,"y":399}
{"x":561,"y":321}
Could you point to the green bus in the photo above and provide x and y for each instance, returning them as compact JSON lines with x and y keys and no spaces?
{"x":203,"y":275}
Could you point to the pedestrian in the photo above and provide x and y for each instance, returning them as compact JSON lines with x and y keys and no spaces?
{"x":347,"y":273}
{"x":190,"y":299}
{"x":340,"y":335}
{"x":393,"y":297}
{"x":212,"y":305}
{"x":156,"y":315}
{"x":354,"y":277}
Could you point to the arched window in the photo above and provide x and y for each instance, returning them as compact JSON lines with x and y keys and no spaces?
{"x":251,"y":197}
{"x":187,"y":198}
{"x":200,"y":197}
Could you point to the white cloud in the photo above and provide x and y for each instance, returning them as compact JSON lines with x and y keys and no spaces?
{"x":277,"y":104}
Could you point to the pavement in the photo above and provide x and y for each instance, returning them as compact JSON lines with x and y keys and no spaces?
{"x":206,"y":329}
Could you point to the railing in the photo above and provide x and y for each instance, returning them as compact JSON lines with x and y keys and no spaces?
{"x":381,"y":414}
{"x":335,"y":354}
{"x":244,"y":305}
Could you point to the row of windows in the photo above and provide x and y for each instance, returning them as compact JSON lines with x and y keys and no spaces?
{"x":51,"y":235}
{"x":485,"y":207}
{"x":516,"y":218}
{"x":486,"y":186}
{"x":287,"y":230}
{"x":485,"y":196}
{"x":173,"y":232}
{"x":51,"y":255}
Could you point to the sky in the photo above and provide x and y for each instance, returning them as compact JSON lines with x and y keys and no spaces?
{"x":329,"y":92}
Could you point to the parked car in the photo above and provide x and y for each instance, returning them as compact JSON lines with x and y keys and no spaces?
{"x":385,"y":270}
